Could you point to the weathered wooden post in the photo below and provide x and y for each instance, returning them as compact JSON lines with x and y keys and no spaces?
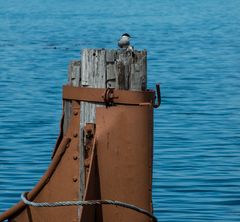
{"x":101,"y":68}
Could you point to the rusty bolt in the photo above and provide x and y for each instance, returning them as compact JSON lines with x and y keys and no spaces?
{"x":75,"y":112}
{"x":75,"y":134}
{"x":89,"y":131}
{"x":75,"y":157}
{"x":75,"y":179}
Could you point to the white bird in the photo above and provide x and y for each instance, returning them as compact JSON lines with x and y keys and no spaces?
{"x":124,"y":41}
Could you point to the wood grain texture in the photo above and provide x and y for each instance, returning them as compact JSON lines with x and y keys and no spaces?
{"x":74,"y":75}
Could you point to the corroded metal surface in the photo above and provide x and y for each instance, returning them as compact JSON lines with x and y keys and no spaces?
{"x":124,"y":155}
{"x":117,"y":160}
{"x":97,"y":95}
{"x":92,"y":191}
{"x":88,"y":140}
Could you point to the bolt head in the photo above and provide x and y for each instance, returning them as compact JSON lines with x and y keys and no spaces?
{"x":75,"y":179}
{"x":75,"y":112}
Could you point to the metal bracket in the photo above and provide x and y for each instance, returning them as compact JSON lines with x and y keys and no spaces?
{"x":88,"y":136}
{"x":158,"y":97}
{"x":109,"y":97}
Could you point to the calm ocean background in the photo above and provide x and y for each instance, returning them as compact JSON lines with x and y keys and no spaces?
{"x":193,"y":50}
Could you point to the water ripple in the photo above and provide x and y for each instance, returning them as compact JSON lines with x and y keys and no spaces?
{"x":193,"y":50}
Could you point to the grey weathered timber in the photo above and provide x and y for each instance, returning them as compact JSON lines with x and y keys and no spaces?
{"x":101,"y":68}
{"x":74,"y":76}
{"x":73,"y":80}
{"x":126,"y":70}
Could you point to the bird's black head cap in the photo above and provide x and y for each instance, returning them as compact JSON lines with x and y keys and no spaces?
{"x":126,"y":34}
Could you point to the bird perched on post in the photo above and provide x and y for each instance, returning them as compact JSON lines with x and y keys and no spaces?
{"x":124,"y":42}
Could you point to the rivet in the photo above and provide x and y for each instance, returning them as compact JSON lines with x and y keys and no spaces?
{"x":67,"y":145}
{"x":75,"y":179}
{"x":75,"y":157}
{"x":75,"y":112}
{"x":75,"y":134}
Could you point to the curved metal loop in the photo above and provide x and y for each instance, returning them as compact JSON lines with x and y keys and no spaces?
{"x":158,"y":97}
{"x":109,"y":97}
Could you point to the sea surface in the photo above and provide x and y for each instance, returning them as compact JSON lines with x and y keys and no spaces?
{"x":193,"y":51}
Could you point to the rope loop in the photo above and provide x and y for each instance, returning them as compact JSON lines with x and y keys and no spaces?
{"x":87,"y":203}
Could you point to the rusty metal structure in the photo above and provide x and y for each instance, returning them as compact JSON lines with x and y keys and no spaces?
{"x":117,"y":160}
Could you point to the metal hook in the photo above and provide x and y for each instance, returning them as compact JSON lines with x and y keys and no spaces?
{"x":159,"y":100}
{"x":109,"y":97}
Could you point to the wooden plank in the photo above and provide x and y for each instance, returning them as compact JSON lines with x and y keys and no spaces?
{"x":93,"y":74}
{"x":111,"y":58}
{"x":74,"y":70}
{"x":127,"y":70}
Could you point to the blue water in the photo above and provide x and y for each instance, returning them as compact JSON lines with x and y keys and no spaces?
{"x":193,"y":50}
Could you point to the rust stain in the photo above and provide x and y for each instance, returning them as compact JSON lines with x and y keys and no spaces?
{"x":124,"y":155}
